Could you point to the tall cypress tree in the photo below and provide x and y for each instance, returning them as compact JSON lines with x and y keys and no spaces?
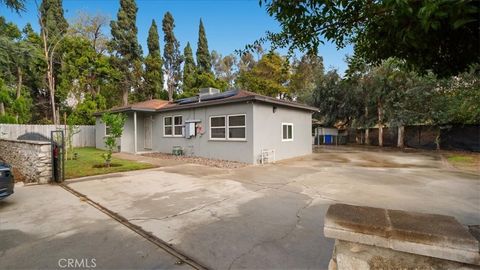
{"x":127,"y":52}
{"x":53,"y":20}
{"x":171,"y":54}
{"x":153,"y":65}
{"x":189,"y":69}
{"x":203,"y":54}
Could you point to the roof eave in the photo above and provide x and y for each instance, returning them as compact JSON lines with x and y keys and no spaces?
{"x":283,"y":103}
{"x":128,"y":109}
{"x":205,"y":103}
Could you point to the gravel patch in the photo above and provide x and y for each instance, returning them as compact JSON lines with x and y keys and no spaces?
{"x":218,"y":163}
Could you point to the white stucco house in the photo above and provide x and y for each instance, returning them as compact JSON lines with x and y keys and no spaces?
{"x":234,"y":125}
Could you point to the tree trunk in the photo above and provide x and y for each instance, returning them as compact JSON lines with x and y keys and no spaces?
{"x":437,"y":140}
{"x":170,"y":92}
{"x":367,"y":136}
{"x":50,"y":78}
{"x":97,"y":91}
{"x":19,"y":88}
{"x":401,"y":136}
{"x":380,"y":123}
{"x":125,"y":97}
{"x":367,"y":132}
{"x":52,"y":102}
{"x":49,"y":53}
{"x":20,"y":81}
{"x":2,"y":109}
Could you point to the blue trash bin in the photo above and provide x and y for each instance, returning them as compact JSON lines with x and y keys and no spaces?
{"x":328,"y":139}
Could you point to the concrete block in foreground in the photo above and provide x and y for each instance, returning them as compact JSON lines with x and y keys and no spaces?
{"x":409,"y":233}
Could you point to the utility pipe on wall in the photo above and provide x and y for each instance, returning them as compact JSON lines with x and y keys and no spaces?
{"x":135,"y":132}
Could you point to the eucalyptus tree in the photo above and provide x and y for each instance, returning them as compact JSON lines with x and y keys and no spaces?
{"x":90,"y":27}
{"x":53,"y":29}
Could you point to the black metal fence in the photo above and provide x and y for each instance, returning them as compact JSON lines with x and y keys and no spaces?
{"x":449,"y":137}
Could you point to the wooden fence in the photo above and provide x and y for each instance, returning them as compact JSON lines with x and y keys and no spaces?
{"x":84,"y":138}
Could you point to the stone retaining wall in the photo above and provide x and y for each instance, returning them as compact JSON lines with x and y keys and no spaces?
{"x":31,"y":160}
{"x":375,"y":238}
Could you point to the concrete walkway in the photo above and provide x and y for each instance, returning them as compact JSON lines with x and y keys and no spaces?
{"x":44,"y":226}
{"x":271,"y":217}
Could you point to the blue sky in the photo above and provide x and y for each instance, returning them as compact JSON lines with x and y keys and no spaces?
{"x":229,"y":24}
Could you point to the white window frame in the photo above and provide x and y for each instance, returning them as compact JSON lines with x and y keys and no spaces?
{"x":165,"y":126}
{"x":106,"y":133}
{"x":281,"y":133}
{"x":224,"y":127}
{"x":172,"y":126}
{"x":228,"y":127}
{"x":177,"y":125}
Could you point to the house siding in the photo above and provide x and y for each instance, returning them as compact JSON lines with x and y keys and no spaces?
{"x":263,"y":131}
{"x":99,"y":133}
{"x":127,"y":139}
{"x":268,"y":131}
{"x":201,"y":145}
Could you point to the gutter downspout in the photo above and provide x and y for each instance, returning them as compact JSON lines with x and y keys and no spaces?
{"x":134,"y":132}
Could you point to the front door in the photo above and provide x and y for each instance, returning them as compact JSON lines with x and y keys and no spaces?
{"x":148,"y":132}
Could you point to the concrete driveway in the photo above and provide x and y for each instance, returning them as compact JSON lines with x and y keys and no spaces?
{"x":46,"y":227}
{"x":271,"y":217}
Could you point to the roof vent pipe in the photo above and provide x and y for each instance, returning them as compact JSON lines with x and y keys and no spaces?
{"x":207,"y":92}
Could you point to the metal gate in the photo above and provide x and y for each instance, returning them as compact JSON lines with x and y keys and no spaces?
{"x":57,"y":139}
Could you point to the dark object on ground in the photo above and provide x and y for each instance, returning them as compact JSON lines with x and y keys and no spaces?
{"x":107,"y":166}
{"x":6,"y":181}
{"x":33,"y":136}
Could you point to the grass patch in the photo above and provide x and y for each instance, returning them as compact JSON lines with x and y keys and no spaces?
{"x":468,"y":162}
{"x":90,"y":162}
{"x":461,"y":159}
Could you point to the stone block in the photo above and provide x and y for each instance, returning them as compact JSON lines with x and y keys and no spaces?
{"x":365,"y":220}
{"x":423,"y":234}
{"x":430,"y":229}
{"x":31,"y":160}
{"x":377,"y":258}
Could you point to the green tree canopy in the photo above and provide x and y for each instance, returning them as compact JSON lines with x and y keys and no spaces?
{"x":17,"y":5}
{"x":189,"y":69}
{"x":268,"y":77}
{"x":304,"y":75}
{"x":114,"y":123}
{"x":153,"y":65}
{"x":438,"y":35}
{"x":53,"y":20}
{"x":172,"y":58}
{"x":124,"y":44}
{"x":203,"y":54}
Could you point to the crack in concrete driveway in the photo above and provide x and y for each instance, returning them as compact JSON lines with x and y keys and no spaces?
{"x":274,"y":240}
{"x":271,"y":217}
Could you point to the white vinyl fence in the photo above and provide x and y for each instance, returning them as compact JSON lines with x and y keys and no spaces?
{"x":84,"y":138}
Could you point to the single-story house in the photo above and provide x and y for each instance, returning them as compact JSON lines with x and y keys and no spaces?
{"x":233,"y":125}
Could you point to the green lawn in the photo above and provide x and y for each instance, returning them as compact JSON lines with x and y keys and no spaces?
{"x":469,"y":162}
{"x":461,"y":159}
{"x":89,"y":159}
